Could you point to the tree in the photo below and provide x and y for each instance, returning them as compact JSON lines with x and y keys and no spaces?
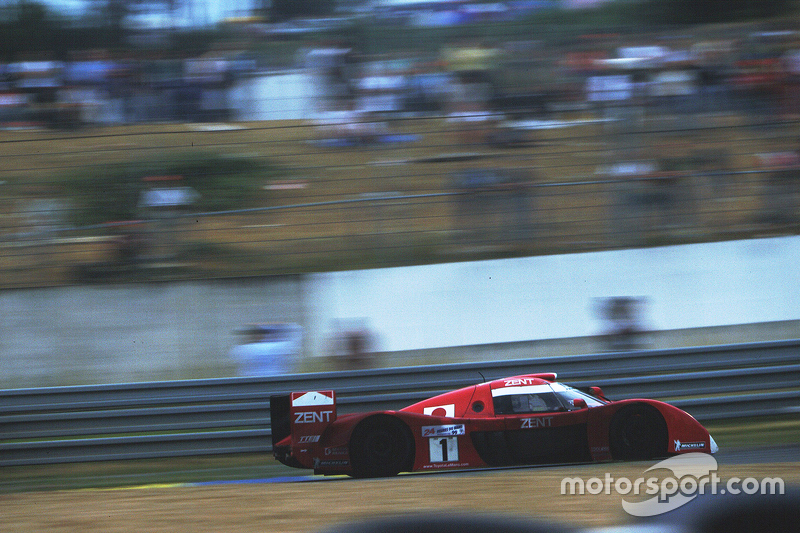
{"x":712,"y":11}
{"x":28,"y":27}
{"x":288,"y":9}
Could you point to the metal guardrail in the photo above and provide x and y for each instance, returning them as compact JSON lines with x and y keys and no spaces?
{"x":218,"y":416}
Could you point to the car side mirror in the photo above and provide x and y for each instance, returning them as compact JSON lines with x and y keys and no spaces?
{"x":596,"y":392}
{"x":580,"y":403}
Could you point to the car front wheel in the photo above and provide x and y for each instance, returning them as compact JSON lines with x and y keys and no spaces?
{"x":638,"y":432}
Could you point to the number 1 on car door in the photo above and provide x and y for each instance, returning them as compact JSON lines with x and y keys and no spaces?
{"x":443,"y":449}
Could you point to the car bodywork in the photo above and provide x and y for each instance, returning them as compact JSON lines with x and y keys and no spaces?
{"x":527,"y":419}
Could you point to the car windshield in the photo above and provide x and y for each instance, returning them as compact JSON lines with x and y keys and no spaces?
{"x":567,"y":394}
{"x":543,"y":402}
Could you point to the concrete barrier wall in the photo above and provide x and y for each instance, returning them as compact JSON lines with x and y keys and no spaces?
{"x":553,"y":297}
{"x":184,"y":330}
{"x":134,"y":332}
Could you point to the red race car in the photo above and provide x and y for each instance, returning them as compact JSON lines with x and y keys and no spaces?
{"x":529,"y":419}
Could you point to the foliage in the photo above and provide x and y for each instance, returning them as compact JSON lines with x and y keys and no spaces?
{"x":623,"y":13}
{"x":711,"y":11}
{"x":288,"y":9}
{"x":28,"y":27}
{"x":106,"y":194}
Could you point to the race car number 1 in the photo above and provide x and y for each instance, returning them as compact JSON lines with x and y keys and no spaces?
{"x":443,"y":449}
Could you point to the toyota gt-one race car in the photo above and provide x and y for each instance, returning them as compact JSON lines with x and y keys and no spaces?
{"x":518,"y":420}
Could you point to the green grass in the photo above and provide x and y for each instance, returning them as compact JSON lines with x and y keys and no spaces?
{"x":762,"y":431}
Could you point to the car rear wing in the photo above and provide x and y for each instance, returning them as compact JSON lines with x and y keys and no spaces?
{"x":303,"y":415}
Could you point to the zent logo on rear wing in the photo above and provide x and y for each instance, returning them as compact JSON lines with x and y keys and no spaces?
{"x":309,"y":415}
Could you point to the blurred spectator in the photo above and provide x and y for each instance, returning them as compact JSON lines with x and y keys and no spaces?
{"x":472,"y":87}
{"x":335,"y":70}
{"x":130,"y":246}
{"x":350,"y":128}
{"x":623,"y":327}
{"x":495,"y":205}
{"x":791,"y":92}
{"x":781,"y":188}
{"x":131,"y":243}
{"x":161,"y":203}
{"x":759,"y":85}
{"x":426,"y":91}
{"x":358,"y":350}
{"x":660,"y":197}
{"x":269,"y":349}
{"x":654,"y":199}
{"x":713,"y":60}
{"x":353,"y":346}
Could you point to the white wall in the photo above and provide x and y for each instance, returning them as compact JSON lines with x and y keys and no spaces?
{"x":698,"y":285}
{"x":136,"y":331}
{"x":147,"y":332}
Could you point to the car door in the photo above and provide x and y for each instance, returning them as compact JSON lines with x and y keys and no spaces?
{"x":540,"y":428}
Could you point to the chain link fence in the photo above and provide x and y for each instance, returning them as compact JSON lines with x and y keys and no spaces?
{"x":486,"y":213}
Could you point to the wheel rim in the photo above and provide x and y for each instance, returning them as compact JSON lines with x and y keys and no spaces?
{"x":381,"y":445}
{"x":637,"y":431}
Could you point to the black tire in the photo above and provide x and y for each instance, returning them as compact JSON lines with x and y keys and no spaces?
{"x":381,"y":446}
{"x":638,"y":432}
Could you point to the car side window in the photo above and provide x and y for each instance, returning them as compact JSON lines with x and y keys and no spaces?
{"x":526,"y":404}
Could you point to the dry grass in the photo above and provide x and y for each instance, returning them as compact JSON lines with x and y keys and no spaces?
{"x":310,"y":507}
{"x":567,"y":218}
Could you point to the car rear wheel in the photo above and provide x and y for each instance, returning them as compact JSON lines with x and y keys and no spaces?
{"x":638,"y":432}
{"x":381,"y":446}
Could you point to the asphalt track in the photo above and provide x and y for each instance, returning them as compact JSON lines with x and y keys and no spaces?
{"x":788,"y":453}
{"x":757,"y":455}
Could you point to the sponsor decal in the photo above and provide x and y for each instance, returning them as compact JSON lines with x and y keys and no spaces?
{"x":527,"y":389}
{"x":309,"y":438}
{"x":444,"y":431}
{"x":311,"y":417}
{"x":541,"y":422}
{"x":446,"y":465}
{"x":308,"y":399}
{"x":443,"y":450}
{"x":517,"y":382}
{"x":331,"y":462}
{"x":688,"y":445}
{"x":448,"y":410}
{"x":340,"y":450}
